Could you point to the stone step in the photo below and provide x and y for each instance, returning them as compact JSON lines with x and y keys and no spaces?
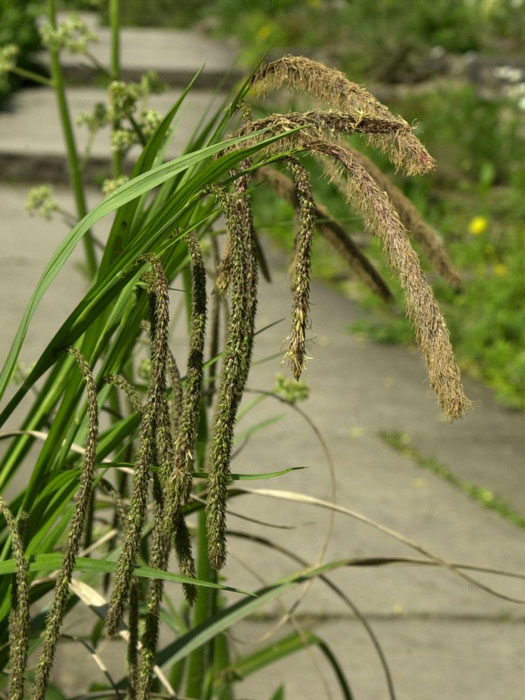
{"x":175,"y":54}
{"x":32,"y":147}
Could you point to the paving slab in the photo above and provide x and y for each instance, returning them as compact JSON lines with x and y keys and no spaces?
{"x":32,"y":146}
{"x":429,"y":660}
{"x":175,"y":54}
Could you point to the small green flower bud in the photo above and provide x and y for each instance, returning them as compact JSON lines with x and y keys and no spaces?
{"x":72,"y":35}
{"x":41,"y":202}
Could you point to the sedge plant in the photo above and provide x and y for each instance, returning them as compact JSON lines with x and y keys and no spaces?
{"x":132,"y":478}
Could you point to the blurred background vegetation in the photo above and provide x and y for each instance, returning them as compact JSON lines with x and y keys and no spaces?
{"x":456,"y":69}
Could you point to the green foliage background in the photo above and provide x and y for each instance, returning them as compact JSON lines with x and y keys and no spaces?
{"x":18,"y":26}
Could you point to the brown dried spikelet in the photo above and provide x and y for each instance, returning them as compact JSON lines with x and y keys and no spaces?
{"x":431,"y":332}
{"x":147,"y":451}
{"x":19,"y":616}
{"x":333,"y":88}
{"x":58,"y":606}
{"x":330,"y":122}
{"x":334,"y":233}
{"x":422,"y":233}
{"x":296,"y":352}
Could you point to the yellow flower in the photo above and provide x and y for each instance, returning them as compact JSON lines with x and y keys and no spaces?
{"x":477,"y":225}
{"x":264,"y":32}
{"x":500,"y":270}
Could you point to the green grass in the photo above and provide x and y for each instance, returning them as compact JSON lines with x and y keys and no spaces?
{"x":482,"y":495}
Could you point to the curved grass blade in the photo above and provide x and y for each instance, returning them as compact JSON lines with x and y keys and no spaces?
{"x":224,"y":619}
{"x":251,"y":477}
{"x":311,"y":500}
{"x":51,"y":562}
{"x":297,"y":641}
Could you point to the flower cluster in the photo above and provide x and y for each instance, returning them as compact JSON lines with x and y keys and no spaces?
{"x":41,"y":201}
{"x":110,"y":186}
{"x":72,"y":35}
{"x":149,"y":120}
{"x":8,"y":58}
{"x":122,"y":139}
{"x":96,"y":120}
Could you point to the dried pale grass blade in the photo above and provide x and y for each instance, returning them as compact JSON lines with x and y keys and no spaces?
{"x":295,"y":497}
{"x":380,"y":216}
{"x":97,"y":659}
{"x":333,"y":88}
{"x":98,"y":604}
{"x":42,"y":435}
{"x":426,"y":237}
{"x":334,"y":233}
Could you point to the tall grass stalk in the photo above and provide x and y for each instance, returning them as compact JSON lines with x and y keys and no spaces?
{"x":77,"y":183}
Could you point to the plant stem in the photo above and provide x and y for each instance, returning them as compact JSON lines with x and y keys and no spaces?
{"x":69,"y":137}
{"x":115,"y":72}
{"x":31,"y":75}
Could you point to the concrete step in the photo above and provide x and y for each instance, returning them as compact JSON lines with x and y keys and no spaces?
{"x":175,"y":54}
{"x":31,"y":142}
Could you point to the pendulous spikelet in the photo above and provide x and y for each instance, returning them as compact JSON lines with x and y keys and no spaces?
{"x":19,"y":616}
{"x":147,"y":452}
{"x":176,"y":388}
{"x":235,"y":365}
{"x":333,"y":232}
{"x":58,"y":606}
{"x":133,"y":641}
{"x":421,"y":232}
{"x":301,"y":267}
{"x":333,"y":88}
{"x":128,"y":388}
{"x":380,"y":216}
{"x":170,"y":527}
